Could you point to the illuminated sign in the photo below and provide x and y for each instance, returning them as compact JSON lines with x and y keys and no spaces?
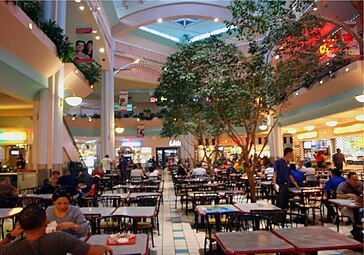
{"x":146,"y":150}
{"x":13,"y":136}
{"x":174,"y":143}
{"x":349,"y":129}
{"x":307,"y":135}
{"x":131,"y":144}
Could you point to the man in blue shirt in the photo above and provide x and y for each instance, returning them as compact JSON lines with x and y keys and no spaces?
{"x":282,"y":176}
{"x":330,"y":188}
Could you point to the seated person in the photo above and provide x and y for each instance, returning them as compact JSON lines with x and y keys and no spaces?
{"x":91,"y":193}
{"x":199,"y":170}
{"x":137,"y":171}
{"x":298,"y":176}
{"x":68,"y":182}
{"x":85,"y":179}
{"x":238,"y":166}
{"x":98,"y":172}
{"x":310,"y":174}
{"x":47,"y":188}
{"x":181,"y":170}
{"x":269,"y":171}
{"x":330,"y":188}
{"x":351,"y":188}
{"x":69,"y":218}
{"x":33,"y":221}
{"x":156,"y":172}
{"x":54,"y":179}
{"x":6,"y":189}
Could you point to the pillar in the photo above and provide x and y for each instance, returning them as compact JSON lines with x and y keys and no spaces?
{"x":47,"y":10}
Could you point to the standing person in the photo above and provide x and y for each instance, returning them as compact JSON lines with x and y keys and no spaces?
{"x":33,"y":221}
{"x":282,"y":176}
{"x":338,"y":159}
{"x":320,"y":158}
{"x":20,"y":162}
{"x":123,"y":167}
{"x":106,"y":164}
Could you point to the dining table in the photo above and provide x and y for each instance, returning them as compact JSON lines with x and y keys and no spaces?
{"x":252,"y":242}
{"x":141,"y":245}
{"x":102,"y":211}
{"x":140,"y":212}
{"x":316,"y":238}
{"x":8,"y":213}
{"x":248,"y":207}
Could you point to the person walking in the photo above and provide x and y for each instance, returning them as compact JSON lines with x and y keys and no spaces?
{"x":338,"y":159}
{"x":281,"y":178}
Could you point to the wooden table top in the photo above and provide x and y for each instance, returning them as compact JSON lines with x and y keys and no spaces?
{"x":246,"y":208}
{"x":252,"y":242}
{"x":140,"y":247}
{"x":9,"y":212}
{"x":316,"y":238}
{"x":103,"y":211}
{"x":136,"y":212}
{"x":140,"y":194}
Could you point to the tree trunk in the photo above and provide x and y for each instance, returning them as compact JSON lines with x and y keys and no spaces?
{"x":251,"y":180}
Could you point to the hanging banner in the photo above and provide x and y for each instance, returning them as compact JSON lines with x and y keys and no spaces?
{"x":123,"y":101}
{"x":140,"y":129}
{"x":350,"y":42}
{"x":84,"y":44}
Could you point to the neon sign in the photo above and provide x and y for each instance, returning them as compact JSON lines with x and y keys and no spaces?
{"x":173,"y":143}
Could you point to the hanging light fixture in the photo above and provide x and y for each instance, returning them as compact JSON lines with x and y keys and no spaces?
{"x":263,"y":127}
{"x":360,"y":98}
{"x":73,"y":100}
{"x":292,"y":131}
{"x":331,"y":123}
{"x":119,"y":130}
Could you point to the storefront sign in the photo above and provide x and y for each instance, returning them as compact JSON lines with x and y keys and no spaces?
{"x":174,"y":143}
{"x":230,"y":142}
{"x":146,"y":150}
{"x":349,"y":129}
{"x":307,"y":135}
{"x":131,"y":144}
{"x":13,"y":136}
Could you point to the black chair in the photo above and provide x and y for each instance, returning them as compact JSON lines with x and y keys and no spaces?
{"x":93,"y":219}
{"x":312,"y":200}
{"x":253,"y":222}
{"x":110,"y":201}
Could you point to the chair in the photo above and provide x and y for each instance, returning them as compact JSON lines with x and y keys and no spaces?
{"x":312,"y":199}
{"x":93,"y":220}
{"x":277,"y":218}
{"x":203,"y":198}
{"x":110,"y":201}
{"x":253,"y":222}
{"x":109,"y":224}
{"x":216,"y":222}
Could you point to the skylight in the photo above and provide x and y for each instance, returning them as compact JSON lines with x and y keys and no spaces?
{"x":207,"y":35}
{"x":159,"y":33}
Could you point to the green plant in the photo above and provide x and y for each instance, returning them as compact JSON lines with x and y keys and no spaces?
{"x":91,"y":71}
{"x":65,"y":49}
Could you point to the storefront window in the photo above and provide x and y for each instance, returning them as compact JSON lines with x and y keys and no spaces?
{"x":352,"y":147}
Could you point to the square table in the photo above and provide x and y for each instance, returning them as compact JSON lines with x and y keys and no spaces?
{"x":102,"y":211}
{"x":140,"y":246}
{"x":122,"y":196}
{"x":247,"y":208}
{"x":200,"y":193}
{"x":251,"y":242}
{"x":141,"y":212}
{"x":202,"y":210}
{"x":134,"y":195}
{"x":313,"y":239}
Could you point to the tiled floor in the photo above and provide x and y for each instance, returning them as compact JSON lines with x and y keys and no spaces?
{"x":177,"y":236}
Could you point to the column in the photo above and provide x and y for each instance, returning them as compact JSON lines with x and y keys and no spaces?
{"x":42,"y":147}
{"x":275,"y":140}
{"x":107,"y":111}
{"x":47,"y":10}
{"x":58,"y":94}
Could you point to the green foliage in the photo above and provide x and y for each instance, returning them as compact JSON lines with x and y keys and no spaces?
{"x":65,"y":49}
{"x":91,"y":71}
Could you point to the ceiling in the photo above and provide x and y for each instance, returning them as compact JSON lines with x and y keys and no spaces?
{"x":181,"y":19}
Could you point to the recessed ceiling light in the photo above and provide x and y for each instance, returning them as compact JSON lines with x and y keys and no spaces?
{"x":296,"y":93}
{"x":76,"y":71}
{"x":97,"y":37}
{"x":159,"y":20}
{"x":315,"y":9}
{"x":216,"y":19}
{"x":89,"y":119}
{"x":360,"y":117}
{"x":92,"y":86}
{"x":277,"y":57}
{"x":292,"y":131}
{"x":94,"y":31}
{"x":78,"y":1}
{"x":309,"y":128}
{"x":322,"y":82}
{"x":98,"y":8}
{"x":331,"y":123}
{"x":102,"y":50}
{"x":360,"y":98}
{"x":30,"y":25}
{"x":347,"y":69}
{"x":73,"y":118}
{"x":81,"y":7}
{"x":263,"y":127}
